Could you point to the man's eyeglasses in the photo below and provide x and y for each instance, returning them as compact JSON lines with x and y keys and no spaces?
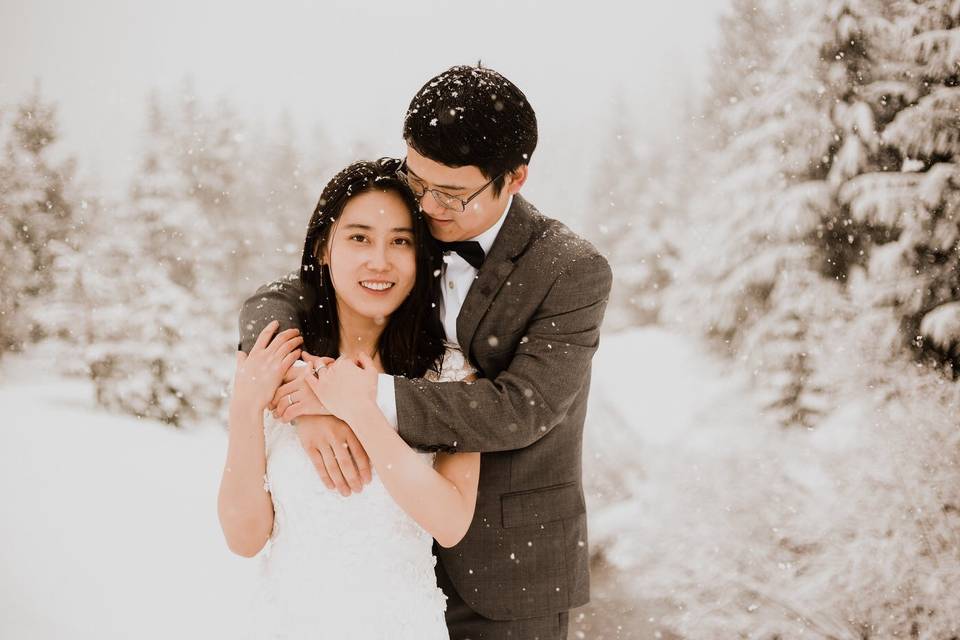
{"x":445,"y":200}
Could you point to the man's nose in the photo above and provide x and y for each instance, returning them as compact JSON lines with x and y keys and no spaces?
{"x":430,"y":206}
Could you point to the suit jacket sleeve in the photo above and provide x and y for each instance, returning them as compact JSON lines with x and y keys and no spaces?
{"x":533,"y":394}
{"x":281,"y":300}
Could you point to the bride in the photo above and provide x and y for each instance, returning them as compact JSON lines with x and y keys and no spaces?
{"x":358,"y":567}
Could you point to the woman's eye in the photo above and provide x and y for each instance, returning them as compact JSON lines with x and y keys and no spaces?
{"x":406,"y":242}
{"x":358,"y":237}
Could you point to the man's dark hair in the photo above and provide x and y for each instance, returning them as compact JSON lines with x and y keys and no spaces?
{"x":472,"y":116}
{"x":412,"y":341}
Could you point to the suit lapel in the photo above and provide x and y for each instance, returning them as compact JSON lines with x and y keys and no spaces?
{"x":512,"y":239}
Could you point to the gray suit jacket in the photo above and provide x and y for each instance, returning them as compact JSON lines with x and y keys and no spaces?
{"x":530,"y":324}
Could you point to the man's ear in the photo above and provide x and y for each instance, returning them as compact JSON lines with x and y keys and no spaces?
{"x":516,"y":178}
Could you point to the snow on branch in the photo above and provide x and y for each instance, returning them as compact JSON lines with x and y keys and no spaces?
{"x":857,"y":119}
{"x":801,"y":208}
{"x":931,"y":127}
{"x":936,"y":181}
{"x":932,"y":16}
{"x":849,"y":161}
{"x":938,"y":51}
{"x":942,"y":326}
{"x":759,"y":272}
{"x":887,"y":262}
{"x":887,"y":90}
{"x":855,"y":20}
{"x":879,"y":198}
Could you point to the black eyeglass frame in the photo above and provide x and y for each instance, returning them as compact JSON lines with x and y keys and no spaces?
{"x":419,"y":190}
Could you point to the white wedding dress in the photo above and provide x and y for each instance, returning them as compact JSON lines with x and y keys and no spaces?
{"x":344,"y":568}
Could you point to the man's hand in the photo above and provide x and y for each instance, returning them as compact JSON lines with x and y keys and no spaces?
{"x":335,"y":452}
{"x":294,"y":398}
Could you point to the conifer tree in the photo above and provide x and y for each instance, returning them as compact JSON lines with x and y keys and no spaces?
{"x":746,"y":271}
{"x":162,"y":336}
{"x":634,"y":196}
{"x":894,"y":227}
{"x":36,"y":217}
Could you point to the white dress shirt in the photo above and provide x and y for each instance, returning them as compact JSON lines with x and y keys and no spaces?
{"x":457,"y":276}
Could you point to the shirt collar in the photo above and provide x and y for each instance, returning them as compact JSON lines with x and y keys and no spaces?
{"x":487,"y":237}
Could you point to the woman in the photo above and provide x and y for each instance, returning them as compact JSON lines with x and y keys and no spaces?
{"x":358,"y":567}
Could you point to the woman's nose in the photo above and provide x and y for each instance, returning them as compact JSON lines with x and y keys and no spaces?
{"x":377,"y":258}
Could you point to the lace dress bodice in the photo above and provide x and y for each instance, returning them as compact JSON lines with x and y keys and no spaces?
{"x":355,"y":567}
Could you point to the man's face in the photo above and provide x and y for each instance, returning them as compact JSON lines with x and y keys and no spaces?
{"x":481,"y":212}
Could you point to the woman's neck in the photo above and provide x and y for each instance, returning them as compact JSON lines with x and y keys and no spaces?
{"x":359,"y":334}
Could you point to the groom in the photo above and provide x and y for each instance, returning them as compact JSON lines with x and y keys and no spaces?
{"x":524,"y":298}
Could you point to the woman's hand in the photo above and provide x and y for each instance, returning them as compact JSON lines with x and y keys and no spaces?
{"x":294,"y":398}
{"x":261,"y":372}
{"x":346,"y":386}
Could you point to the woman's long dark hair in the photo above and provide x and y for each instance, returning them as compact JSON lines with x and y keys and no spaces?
{"x":412,"y":341}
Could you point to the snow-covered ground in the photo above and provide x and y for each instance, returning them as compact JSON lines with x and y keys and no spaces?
{"x":110,"y":528}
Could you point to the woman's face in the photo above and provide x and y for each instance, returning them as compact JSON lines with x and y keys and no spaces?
{"x":371,"y":255}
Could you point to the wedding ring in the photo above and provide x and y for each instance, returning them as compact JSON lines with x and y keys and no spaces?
{"x":290,"y":398}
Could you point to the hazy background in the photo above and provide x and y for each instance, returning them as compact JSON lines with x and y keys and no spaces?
{"x":352,"y":67}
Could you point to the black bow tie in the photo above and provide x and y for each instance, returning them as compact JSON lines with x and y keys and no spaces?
{"x":469,"y":250}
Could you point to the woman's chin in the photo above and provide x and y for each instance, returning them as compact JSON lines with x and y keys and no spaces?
{"x":379,"y":314}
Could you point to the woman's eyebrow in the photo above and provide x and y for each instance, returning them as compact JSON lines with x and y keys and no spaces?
{"x":366,"y":227}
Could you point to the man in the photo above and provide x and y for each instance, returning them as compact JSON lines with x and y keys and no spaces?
{"x":524,"y":298}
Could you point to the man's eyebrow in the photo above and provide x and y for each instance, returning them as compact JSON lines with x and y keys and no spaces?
{"x":451,"y":187}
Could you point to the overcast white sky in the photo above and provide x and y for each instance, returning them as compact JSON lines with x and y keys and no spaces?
{"x":352,"y":66}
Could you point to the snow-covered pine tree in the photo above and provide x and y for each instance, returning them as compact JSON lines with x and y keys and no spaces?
{"x":893,"y":230}
{"x":634,"y":197}
{"x":748,"y":35}
{"x":209,"y":150}
{"x":904,"y":199}
{"x":155,"y":351}
{"x":747,"y":269}
{"x":279,"y":198}
{"x":162,"y":336}
{"x":162,"y":199}
{"x":36,"y":218}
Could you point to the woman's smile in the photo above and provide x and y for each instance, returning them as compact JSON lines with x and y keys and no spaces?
{"x":377,"y":287}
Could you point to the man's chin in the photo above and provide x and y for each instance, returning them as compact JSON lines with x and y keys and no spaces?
{"x":445,"y":231}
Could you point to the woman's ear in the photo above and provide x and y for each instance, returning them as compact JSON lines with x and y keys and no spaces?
{"x":320,"y":253}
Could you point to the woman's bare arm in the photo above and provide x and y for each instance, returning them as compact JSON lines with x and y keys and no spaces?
{"x":441,"y":498}
{"x":244,"y":505}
